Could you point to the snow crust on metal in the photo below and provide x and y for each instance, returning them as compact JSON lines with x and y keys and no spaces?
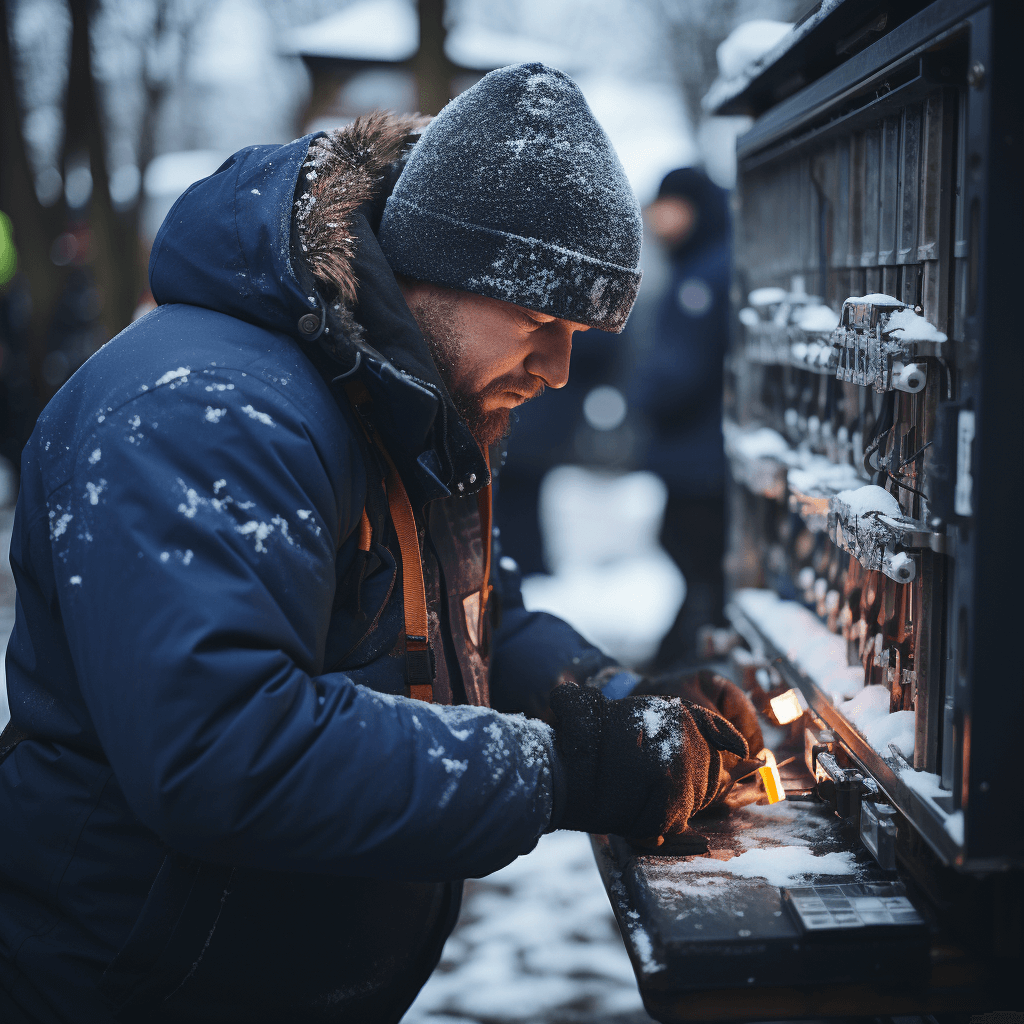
{"x":724,"y":89}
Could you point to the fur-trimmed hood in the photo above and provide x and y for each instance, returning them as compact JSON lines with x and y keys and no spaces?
{"x":280,"y":235}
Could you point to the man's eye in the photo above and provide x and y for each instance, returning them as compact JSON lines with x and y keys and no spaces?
{"x":528,"y":323}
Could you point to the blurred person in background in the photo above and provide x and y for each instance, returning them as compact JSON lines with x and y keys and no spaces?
{"x":547,"y":433}
{"x":679,"y":389}
{"x":273,"y":692}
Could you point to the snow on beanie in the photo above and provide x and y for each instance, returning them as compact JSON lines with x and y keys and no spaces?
{"x":515,"y":192}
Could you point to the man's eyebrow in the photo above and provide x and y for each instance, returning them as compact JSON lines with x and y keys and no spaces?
{"x":535,"y":316}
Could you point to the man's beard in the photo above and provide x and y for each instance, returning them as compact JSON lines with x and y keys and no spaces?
{"x":435,"y":315}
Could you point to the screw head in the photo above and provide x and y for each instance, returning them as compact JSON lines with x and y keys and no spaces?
{"x":976,"y":75}
{"x":309,"y":323}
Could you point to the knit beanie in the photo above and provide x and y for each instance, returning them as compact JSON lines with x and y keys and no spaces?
{"x":515,"y":192}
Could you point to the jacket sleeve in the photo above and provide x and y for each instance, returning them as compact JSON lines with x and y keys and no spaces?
{"x":195,"y":549}
{"x":535,"y":651}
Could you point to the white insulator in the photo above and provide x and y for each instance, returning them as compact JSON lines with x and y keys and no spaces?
{"x":899,"y":567}
{"x":910,"y":378}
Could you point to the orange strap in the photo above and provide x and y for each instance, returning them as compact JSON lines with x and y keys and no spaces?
{"x":414,"y":594}
{"x":365,"y":532}
{"x":483,"y":504}
{"x":419,"y":665}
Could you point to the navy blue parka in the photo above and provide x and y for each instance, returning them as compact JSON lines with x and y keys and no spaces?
{"x":226,"y":809}
{"x":679,"y":384}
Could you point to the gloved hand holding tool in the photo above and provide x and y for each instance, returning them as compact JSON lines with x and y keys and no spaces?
{"x":714,"y":692}
{"x":640,"y":766}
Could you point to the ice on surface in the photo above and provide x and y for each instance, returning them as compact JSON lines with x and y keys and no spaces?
{"x":795,"y":631}
{"x":819,"y":475}
{"x":260,"y":417}
{"x":747,"y":42}
{"x":909,"y":326}
{"x":927,"y":785}
{"x":181,"y":371}
{"x":778,"y":865}
{"x":727,"y":87}
{"x":870,"y":498}
{"x":843,"y":683}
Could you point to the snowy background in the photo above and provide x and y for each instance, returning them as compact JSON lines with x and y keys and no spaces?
{"x":183,"y":83}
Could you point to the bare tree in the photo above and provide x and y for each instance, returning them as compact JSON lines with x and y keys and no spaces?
{"x":35,"y":226}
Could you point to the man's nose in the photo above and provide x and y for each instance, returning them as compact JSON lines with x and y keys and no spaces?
{"x":549,"y":358}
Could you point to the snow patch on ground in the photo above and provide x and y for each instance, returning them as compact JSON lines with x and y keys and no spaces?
{"x":612,"y":580}
{"x":537,"y":943}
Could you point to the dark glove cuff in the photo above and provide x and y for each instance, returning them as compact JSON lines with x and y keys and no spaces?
{"x":559,"y":791}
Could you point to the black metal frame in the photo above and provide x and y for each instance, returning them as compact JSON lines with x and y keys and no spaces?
{"x":940,"y":85}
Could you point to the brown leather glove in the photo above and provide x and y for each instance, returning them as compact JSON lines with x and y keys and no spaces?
{"x":714,"y":692}
{"x":639,"y":766}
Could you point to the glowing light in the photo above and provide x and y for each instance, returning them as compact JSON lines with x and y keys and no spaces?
{"x":772,"y":783}
{"x":788,"y":706}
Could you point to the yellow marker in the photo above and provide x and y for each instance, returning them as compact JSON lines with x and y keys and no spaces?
{"x":772,"y":782}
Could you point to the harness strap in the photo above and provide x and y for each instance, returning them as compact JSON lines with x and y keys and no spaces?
{"x":418,"y":655}
{"x":484,"y":506}
{"x":365,"y":532}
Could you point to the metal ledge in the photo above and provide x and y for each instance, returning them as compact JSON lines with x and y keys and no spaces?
{"x":921,"y":813}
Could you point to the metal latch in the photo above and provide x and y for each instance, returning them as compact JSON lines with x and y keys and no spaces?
{"x":841,"y":787}
{"x":816,"y":741}
{"x":878,"y":833}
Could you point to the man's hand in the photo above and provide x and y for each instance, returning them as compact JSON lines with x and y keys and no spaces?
{"x":714,"y":692}
{"x":639,"y":766}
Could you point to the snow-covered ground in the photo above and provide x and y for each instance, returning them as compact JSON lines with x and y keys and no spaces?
{"x":612,"y":579}
{"x":536,"y":944}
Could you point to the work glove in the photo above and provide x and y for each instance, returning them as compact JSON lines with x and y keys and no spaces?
{"x":712,"y":691}
{"x":639,"y":766}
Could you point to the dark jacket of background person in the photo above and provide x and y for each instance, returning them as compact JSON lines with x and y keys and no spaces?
{"x":222,"y":789}
{"x":678,"y":388}
{"x":679,"y":382}
{"x":549,"y":432}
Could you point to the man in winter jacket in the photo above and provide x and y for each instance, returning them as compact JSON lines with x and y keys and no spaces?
{"x":265,"y":665}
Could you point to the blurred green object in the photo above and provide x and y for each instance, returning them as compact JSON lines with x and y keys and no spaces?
{"x":8,"y":253}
